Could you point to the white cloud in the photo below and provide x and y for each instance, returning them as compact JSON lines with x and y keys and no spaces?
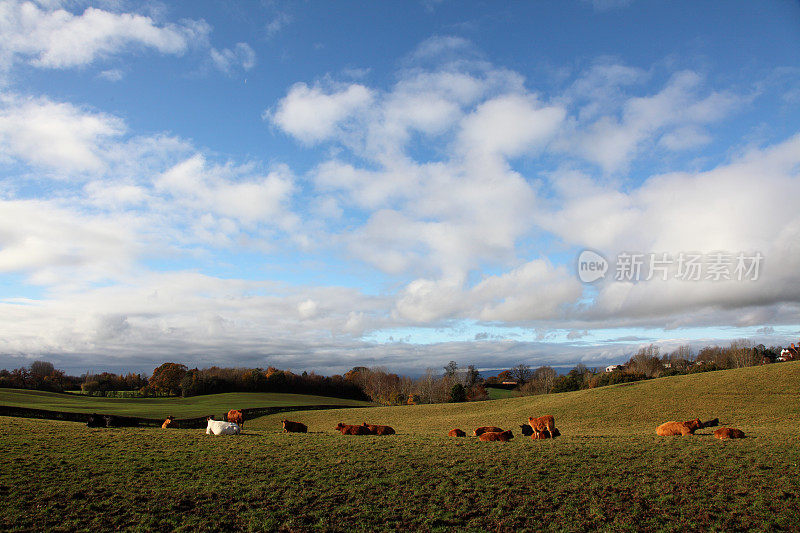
{"x":744,"y":206}
{"x":278,"y":22}
{"x":54,"y":245}
{"x":685,"y":138}
{"x":227,"y":60}
{"x":509,"y":125}
{"x":311,"y":114}
{"x":230,"y":191}
{"x":612,"y":132}
{"x":533,"y":291}
{"x":111,"y":75}
{"x":50,"y":38}
{"x":53,"y":134}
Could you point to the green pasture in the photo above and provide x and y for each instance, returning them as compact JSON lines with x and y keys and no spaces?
{"x":163,"y":407}
{"x":762,"y":399}
{"x":609,"y":471}
{"x":499,"y":394}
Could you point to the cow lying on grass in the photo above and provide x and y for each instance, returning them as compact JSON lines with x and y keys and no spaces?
{"x":218,"y":427}
{"x":235,"y":416}
{"x":500,"y":436}
{"x":729,"y":433}
{"x":671,"y":428}
{"x":294,"y":427}
{"x":486,"y":429}
{"x":379,"y":430}
{"x":456,"y":433}
{"x":347,"y":429}
{"x":711,"y":423}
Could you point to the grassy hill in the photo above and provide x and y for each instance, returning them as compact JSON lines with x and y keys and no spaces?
{"x":608,"y":472}
{"x":163,"y":407}
{"x":755,"y":398}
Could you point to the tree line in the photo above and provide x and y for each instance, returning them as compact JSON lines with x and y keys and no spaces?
{"x":377,"y":384}
{"x":646,"y":363}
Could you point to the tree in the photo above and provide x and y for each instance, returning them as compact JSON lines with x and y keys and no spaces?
{"x":167,"y":378}
{"x":42,"y":369}
{"x":458,"y":393}
{"x":472,"y":377}
{"x":679,"y":360}
{"x":450,"y":369}
{"x":647,"y":362}
{"x":743,"y":354}
{"x":521,"y":373}
{"x":541,"y":381}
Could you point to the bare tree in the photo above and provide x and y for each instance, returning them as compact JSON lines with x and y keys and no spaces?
{"x":647,"y":362}
{"x":541,"y":381}
{"x":430,"y":388}
{"x":742,"y":353}
{"x":522,"y":373}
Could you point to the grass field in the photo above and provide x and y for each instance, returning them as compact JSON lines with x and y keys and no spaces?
{"x":499,"y":394}
{"x":608,"y":471}
{"x":163,"y":407}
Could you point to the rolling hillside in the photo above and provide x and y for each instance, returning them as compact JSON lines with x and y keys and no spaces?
{"x":162,"y":407}
{"x":756,"y":398}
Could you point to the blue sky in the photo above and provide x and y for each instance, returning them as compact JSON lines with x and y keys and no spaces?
{"x":322,"y":185}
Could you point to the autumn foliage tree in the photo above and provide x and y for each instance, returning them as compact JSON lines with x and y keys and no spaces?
{"x":167,"y":378}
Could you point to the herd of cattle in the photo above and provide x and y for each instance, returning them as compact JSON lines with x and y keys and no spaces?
{"x":543,"y":427}
{"x":672,"y":428}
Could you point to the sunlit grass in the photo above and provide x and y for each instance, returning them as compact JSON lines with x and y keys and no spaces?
{"x":608,"y":471}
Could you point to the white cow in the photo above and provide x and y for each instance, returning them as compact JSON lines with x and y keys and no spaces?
{"x":218,"y":427}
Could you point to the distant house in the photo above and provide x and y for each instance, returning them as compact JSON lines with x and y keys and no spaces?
{"x":510,"y":383}
{"x":611,"y":368}
{"x":791,"y":353}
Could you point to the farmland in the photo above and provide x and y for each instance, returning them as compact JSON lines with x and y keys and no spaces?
{"x":163,"y":407}
{"x":607,"y":471}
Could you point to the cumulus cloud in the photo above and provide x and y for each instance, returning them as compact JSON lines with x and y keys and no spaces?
{"x":462,"y":185}
{"x":220,"y":189}
{"x":58,"y":135}
{"x":54,"y":245}
{"x":56,"y":38}
{"x":313,"y":114}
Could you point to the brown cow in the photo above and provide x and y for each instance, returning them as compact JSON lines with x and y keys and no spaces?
{"x":379,"y":430}
{"x":294,"y":427}
{"x":729,"y":433}
{"x":695,"y":424}
{"x":671,"y":428}
{"x":486,"y":429}
{"x":456,"y":433}
{"x":500,"y":436}
{"x":235,"y":416}
{"x":543,"y":422}
{"x":539,"y":435}
{"x":168,"y":423}
{"x":347,"y":429}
